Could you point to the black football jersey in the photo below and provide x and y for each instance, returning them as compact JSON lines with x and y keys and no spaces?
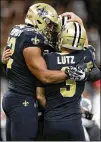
{"x":63,"y":99}
{"x":21,"y":79}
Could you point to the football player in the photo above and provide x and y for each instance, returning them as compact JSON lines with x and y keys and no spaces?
{"x":62,"y":116}
{"x":27,"y":43}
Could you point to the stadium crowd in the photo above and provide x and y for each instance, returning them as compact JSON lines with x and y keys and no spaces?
{"x":13,"y":12}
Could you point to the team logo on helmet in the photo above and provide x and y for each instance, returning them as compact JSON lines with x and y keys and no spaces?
{"x":42,"y":12}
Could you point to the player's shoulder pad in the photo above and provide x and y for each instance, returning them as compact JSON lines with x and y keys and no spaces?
{"x":91,"y":50}
{"x":90,"y":47}
{"x":35,"y":36}
{"x":31,"y":31}
{"x":16,"y":31}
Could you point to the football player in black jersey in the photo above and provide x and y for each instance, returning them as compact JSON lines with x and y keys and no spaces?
{"x":62,"y":116}
{"x":27,"y":43}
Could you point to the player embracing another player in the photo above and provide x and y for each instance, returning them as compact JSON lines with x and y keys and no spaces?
{"x":25,"y":63}
{"x":62,"y":116}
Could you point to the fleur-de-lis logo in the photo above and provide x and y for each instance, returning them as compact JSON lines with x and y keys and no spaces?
{"x":35,"y":40}
{"x":42,"y":12}
{"x":25,"y":103}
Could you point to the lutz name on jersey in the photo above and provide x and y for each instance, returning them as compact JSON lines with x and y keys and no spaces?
{"x":65,"y":60}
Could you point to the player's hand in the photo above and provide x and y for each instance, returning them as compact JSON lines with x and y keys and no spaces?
{"x":75,"y":73}
{"x":72,"y":17}
{"x":5,"y":56}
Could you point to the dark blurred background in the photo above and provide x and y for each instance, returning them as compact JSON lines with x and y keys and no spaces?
{"x":13,"y":12}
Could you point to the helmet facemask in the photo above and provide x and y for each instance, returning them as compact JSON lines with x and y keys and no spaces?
{"x":49,"y":29}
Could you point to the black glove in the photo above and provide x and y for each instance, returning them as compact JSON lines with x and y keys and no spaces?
{"x":88,"y":115}
{"x":76,"y":73}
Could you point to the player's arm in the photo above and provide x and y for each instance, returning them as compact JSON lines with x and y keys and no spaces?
{"x":95,"y":73}
{"x":89,"y":70}
{"x":40,"y":95}
{"x":38,"y":67}
{"x":50,"y":79}
{"x":6,"y":55}
{"x":72,"y":17}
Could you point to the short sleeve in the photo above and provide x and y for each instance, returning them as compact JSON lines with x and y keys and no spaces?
{"x":32,"y":39}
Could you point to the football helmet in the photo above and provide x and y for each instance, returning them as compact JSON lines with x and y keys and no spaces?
{"x":43,"y":17}
{"x":72,"y":36}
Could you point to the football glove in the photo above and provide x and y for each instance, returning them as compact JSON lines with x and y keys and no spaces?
{"x":76,"y":73}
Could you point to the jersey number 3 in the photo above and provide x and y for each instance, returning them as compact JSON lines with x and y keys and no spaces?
{"x":70,"y":88}
{"x":11,"y":42}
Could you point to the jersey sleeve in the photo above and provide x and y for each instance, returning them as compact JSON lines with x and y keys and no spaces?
{"x":32,"y":39}
{"x":90,"y":57}
{"x":95,"y":73}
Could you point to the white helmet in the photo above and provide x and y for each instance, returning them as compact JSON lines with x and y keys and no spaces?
{"x":72,"y":36}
